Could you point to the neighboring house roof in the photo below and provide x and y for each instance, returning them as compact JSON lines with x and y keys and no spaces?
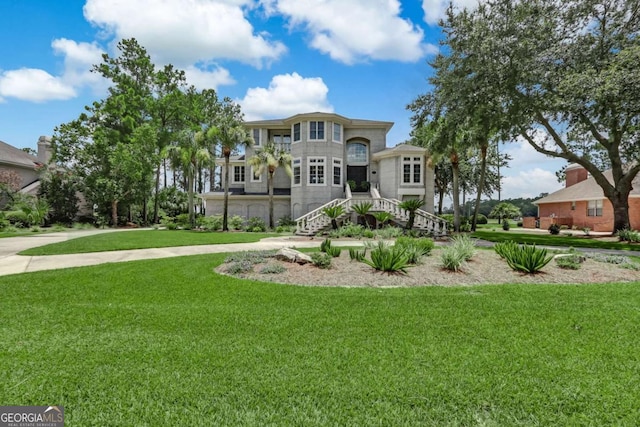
{"x":14,"y":156}
{"x":286,"y":122}
{"x":399,"y":150}
{"x":585,"y":190}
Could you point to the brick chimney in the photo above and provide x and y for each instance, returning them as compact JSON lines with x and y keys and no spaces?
{"x":575,"y":174}
{"x":44,"y":149}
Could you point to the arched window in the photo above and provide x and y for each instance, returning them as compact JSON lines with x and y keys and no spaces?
{"x":357,"y":153}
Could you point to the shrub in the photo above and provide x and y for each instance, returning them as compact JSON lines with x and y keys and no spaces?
{"x":452,"y":259}
{"x":554,"y":229}
{"x":286,"y":221}
{"x":17,"y":219}
{"x":586,"y":230}
{"x":631,"y":236}
{"x":256,"y":224}
{"x":416,"y":248}
{"x":239,"y":267}
{"x":464,"y":245}
{"x":357,"y":254}
{"x":571,"y":262}
{"x":527,"y":258}
{"x":210,"y":223}
{"x":253,"y":257}
{"x":389,"y":232}
{"x":321,"y":260}
{"x":506,"y":225}
{"x":348,"y":229}
{"x":392,"y":259}
{"x":369,"y":234}
{"x":520,"y":224}
{"x":481,"y":219}
{"x":273,"y":269}
{"x":236,"y":222}
{"x":183,"y":220}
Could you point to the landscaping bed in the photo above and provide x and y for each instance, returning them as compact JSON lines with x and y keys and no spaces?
{"x":486,"y":267}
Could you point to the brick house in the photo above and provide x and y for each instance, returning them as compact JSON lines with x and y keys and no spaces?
{"x":25,"y":165}
{"x":582,"y":204}
{"x":336,"y":160}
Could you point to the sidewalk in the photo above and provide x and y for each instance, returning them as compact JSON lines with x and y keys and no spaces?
{"x":11,"y":263}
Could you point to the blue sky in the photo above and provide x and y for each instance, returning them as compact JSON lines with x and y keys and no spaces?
{"x":362,"y":59}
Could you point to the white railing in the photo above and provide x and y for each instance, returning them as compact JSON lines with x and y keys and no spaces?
{"x":316,"y":220}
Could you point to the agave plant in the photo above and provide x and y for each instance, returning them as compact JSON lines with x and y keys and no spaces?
{"x":382,"y":218}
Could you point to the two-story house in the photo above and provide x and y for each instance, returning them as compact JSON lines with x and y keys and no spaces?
{"x":335,"y":160}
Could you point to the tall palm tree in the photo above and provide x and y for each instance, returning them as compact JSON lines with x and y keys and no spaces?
{"x":191,"y":153}
{"x":231,"y":136}
{"x":271,"y":157}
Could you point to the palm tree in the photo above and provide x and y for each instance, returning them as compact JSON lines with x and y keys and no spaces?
{"x":333,"y":212}
{"x":362,"y":209}
{"x":231,"y":136}
{"x":411,"y":206}
{"x":271,"y":157}
{"x":504,"y":210}
{"x":191,"y":153}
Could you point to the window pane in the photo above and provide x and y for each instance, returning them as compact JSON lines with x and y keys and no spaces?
{"x":320,"y":130}
{"x":357,"y":153}
{"x":337,"y":132}
{"x":406,"y":173}
{"x":337,"y":174}
{"x":296,"y":132}
{"x":416,"y":174}
{"x":256,"y":136}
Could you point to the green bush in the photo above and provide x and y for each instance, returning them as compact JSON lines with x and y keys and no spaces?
{"x":254,"y":257}
{"x":236,"y":222}
{"x":286,"y":221}
{"x":481,"y":219}
{"x":321,"y":260}
{"x":348,"y":229}
{"x":240,"y":267}
{"x":506,"y":225}
{"x":389,"y":232}
{"x":256,"y":224}
{"x":392,"y":259}
{"x":18,"y":219}
{"x":554,"y":229}
{"x":571,"y":262}
{"x":273,"y":269}
{"x":210,"y":223}
{"x":527,"y":258}
{"x":463,"y":244}
{"x":183,"y":220}
{"x":631,"y":236}
{"x":357,"y":254}
{"x":452,"y":259}
{"x":416,"y":248}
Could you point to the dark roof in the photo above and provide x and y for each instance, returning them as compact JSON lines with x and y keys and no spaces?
{"x":15,"y":156}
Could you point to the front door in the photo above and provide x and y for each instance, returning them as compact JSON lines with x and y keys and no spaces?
{"x":358,"y":174}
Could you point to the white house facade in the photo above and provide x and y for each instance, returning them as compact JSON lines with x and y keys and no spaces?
{"x":335,"y":159}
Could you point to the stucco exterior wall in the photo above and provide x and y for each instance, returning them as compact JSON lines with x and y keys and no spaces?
{"x":248,"y":207}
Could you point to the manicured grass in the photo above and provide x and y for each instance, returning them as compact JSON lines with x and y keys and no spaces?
{"x":169,"y":342}
{"x":143,"y":239}
{"x":551,"y":240}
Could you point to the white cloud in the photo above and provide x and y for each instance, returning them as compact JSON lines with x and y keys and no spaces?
{"x":287,"y":94}
{"x":184,"y":32}
{"x":30,"y":84}
{"x":79,"y":59}
{"x":204,"y":79}
{"x":529,"y":183}
{"x":434,"y":10}
{"x":356,"y":30}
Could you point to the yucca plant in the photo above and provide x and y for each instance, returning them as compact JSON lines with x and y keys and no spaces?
{"x":325,"y":245}
{"x":452,"y":259}
{"x":415,"y":248}
{"x":464,"y":245}
{"x":528,"y":259}
{"x":504,"y":248}
{"x":333,"y":251}
{"x":357,"y":254}
{"x":333,"y":212}
{"x":392,"y":259}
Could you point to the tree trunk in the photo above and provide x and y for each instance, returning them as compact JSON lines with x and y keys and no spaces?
{"x":620,"y":202}
{"x":156,"y":202}
{"x":270,"y":179}
{"x":455,"y":167}
{"x":440,"y":201}
{"x":225,"y":226}
{"x":114,"y":213}
{"x":483,"y":170}
{"x":190,"y":184}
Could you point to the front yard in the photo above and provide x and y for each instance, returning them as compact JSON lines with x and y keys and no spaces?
{"x":171,"y":342}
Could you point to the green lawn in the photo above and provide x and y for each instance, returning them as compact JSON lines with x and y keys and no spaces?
{"x":546,"y":239}
{"x":143,"y":239}
{"x":169,"y":342}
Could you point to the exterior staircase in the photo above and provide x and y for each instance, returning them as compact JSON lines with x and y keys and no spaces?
{"x":316,"y":221}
